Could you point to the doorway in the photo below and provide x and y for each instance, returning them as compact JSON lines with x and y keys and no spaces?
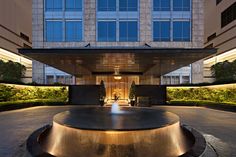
{"x":119,"y":87}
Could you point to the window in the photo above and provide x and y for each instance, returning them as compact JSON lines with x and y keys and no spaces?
{"x":73,"y":31}
{"x":181,"y":5}
{"x":128,"y":31}
{"x":60,"y":79}
{"x":175,"y":80}
{"x":161,"y":31}
{"x":107,"y":31}
{"x":228,"y":15}
{"x":181,"y":31}
{"x":68,"y":79}
{"x":185,"y":79}
{"x":211,"y":37}
{"x":53,"y":5}
{"x":161,"y":5}
{"x":49,"y":79}
{"x":166,"y":80}
{"x":106,"y":5}
{"x":54,"y":31}
{"x":73,"y":5}
{"x":218,"y":1}
{"x":128,"y":5}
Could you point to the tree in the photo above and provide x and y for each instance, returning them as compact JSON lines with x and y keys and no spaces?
{"x":224,"y":71}
{"x":132,"y":91}
{"x":102,"y":91}
{"x":11,"y":71}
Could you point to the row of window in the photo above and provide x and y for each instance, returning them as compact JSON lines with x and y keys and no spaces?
{"x":124,"y":5}
{"x":107,"y":31}
{"x":229,"y":15}
{"x":54,"y":31}
{"x":162,"y":31}
{"x":57,"y":5}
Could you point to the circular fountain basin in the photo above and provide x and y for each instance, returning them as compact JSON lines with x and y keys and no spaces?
{"x":95,"y":132}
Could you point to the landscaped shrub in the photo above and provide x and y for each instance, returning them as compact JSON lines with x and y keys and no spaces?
{"x":6,"y":93}
{"x":220,"y":95}
{"x":11,"y":71}
{"x":13,"y":93}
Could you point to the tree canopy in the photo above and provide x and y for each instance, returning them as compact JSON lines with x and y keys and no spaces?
{"x":11,"y":71}
{"x":224,"y":71}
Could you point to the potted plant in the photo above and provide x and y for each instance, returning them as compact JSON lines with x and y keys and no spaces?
{"x":102,"y":93}
{"x":132,"y":94}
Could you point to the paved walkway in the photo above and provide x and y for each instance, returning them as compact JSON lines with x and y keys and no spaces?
{"x":16,"y":126}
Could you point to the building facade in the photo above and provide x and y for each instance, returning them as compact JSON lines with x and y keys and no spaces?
{"x":98,"y":39}
{"x":220,"y":33}
{"x":16,"y":32}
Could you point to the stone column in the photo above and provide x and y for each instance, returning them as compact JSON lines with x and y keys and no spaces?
{"x":145,"y":21}
{"x":90,"y":21}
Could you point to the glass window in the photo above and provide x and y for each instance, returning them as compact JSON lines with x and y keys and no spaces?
{"x":128,"y":5}
{"x":73,"y":5}
{"x":185,"y":79}
{"x":166,"y":80}
{"x":161,"y":31}
{"x":49,"y":79}
{"x":73,"y":30}
{"x":60,"y":79}
{"x":54,"y":31}
{"x":181,"y":31}
{"x":106,"y":5}
{"x":128,"y":31}
{"x":161,"y":5}
{"x":68,"y":79}
{"x":53,"y":5}
{"x":229,"y":15}
{"x":181,"y":5}
{"x":107,"y":31}
{"x":175,"y":80}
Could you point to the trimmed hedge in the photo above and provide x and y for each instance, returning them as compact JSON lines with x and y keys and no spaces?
{"x":217,"y":95}
{"x":199,"y":103}
{"x":11,"y":105}
{"x":15,"y":93}
{"x":227,"y":106}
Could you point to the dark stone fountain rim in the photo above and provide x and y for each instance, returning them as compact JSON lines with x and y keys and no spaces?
{"x":101,"y":119}
{"x":34,"y":148}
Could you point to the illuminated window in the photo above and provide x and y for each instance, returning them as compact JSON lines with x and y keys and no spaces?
{"x":161,"y":31}
{"x":161,"y":5}
{"x":73,"y":5}
{"x":73,"y":31}
{"x":54,"y":32}
{"x":128,"y":5}
{"x":128,"y":31}
{"x":53,"y":5}
{"x":107,"y":31}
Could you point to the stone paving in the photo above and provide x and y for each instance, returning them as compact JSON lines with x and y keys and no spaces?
{"x":219,"y":127}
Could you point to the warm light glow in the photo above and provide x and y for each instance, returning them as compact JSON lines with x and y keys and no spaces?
{"x":229,"y":55}
{"x":7,"y":55}
{"x":118,"y":77}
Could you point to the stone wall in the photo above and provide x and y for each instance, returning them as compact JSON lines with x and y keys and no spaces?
{"x":145,"y":28}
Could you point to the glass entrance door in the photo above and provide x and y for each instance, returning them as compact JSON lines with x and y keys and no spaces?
{"x":116,"y":87}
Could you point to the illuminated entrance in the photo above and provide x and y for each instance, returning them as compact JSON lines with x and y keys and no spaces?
{"x":119,"y":87}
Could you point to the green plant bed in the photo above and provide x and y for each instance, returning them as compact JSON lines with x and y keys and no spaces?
{"x":229,"y":106}
{"x":11,"y":105}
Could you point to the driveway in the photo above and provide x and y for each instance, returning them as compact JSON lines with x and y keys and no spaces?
{"x":16,"y":126}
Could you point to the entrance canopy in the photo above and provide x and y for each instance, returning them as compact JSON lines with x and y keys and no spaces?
{"x":128,"y":61}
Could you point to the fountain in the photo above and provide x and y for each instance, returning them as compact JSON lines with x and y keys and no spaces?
{"x":115,"y":132}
